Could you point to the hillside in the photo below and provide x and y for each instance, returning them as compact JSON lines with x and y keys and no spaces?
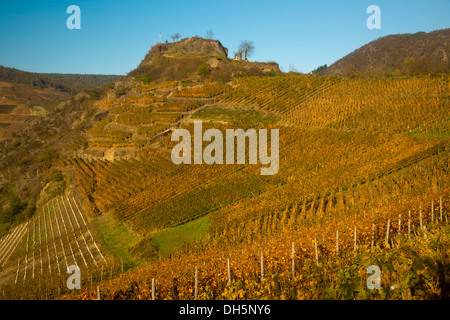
{"x":362,"y":180}
{"x":26,"y":94}
{"x":79,"y":82}
{"x":19,"y":102}
{"x":399,"y":54}
{"x":71,"y":83}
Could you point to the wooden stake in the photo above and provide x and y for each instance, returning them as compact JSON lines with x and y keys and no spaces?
{"x":98,"y":293}
{"x":293,"y":260}
{"x":317,"y":255}
{"x":373,"y":236}
{"x":386,"y":241}
{"x":153,"y":289}
{"x":229,"y":270}
{"x":337,"y":242}
{"x":354,"y":240}
{"x":18,"y":268}
{"x":262,"y":266}
{"x":409,"y":225}
{"x":399,"y":223}
{"x":432,"y":210}
{"x":196,"y":283}
{"x":420,"y":216}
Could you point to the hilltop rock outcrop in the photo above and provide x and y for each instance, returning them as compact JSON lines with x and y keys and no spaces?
{"x":188,"y":46}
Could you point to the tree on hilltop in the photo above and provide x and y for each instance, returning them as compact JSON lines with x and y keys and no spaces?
{"x":247,"y":48}
{"x":209,"y":34}
{"x":239,"y":53}
{"x":175,"y":37}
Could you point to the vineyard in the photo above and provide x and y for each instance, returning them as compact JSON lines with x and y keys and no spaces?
{"x":393,"y":105}
{"x":55,"y":238}
{"x":146,"y":112}
{"x":301,"y":263}
{"x":363,"y":180}
{"x":275,"y":94}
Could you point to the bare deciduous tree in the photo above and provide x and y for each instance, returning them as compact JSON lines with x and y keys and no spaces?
{"x":247,"y":48}
{"x":292,"y":68}
{"x":175,"y":37}
{"x":209,"y":34}
{"x":239,"y":53}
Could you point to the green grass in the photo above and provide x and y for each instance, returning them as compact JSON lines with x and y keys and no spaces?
{"x":430,"y":133}
{"x":40,"y":110}
{"x":170,"y":239}
{"x":116,"y":238}
{"x":234,"y":115}
{"x":439,"y":129}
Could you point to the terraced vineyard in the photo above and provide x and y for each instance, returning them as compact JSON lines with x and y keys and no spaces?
{"x":275,"y":94}
{"x":290,"y":260}
{"x":363,"y":178}
{"x":207,"y":90}
{"x":9,"y":242}
{"x":377,"y":105}
{"x":58,"y":236}
{"x":146,"y":112}
{"x":167,"y":195}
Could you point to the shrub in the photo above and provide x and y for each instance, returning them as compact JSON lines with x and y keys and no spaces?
{"x":93,"y":94}
{"x":57,"y":176}
{"x":25,"y":160}
{"x":15,"y":207}
{"x":47,"y":154}
{"x":204,"y":71}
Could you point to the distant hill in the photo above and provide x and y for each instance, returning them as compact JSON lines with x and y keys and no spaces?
{"x":400,"y":54}
{"x":71,"y":83}
{"x":27,"y":94}
{"x":81,"y":81}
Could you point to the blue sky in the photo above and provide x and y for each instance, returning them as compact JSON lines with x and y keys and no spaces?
{"x":116,"y":35}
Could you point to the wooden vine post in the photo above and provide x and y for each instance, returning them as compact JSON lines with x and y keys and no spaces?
{"x":420,"y":218}
{"x":262,"y":266}
{"x":293,"y":260}
{"x":337,"y":242}
{"x":432,"y":210}
{"x":409,"y":225}
{"x":229,"y":270}
{"x":153,"y":289}
{"x":317,"y":255}
{"x":373,"y":236}
{"x":196,"y":283}
{"x":386,"y":241}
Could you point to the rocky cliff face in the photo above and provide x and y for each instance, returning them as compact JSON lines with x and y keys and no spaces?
{"x":183,"y":59}
{"x":188,"y":46}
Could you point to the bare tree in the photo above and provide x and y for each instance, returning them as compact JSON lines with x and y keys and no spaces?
{"x":175,"y":37}
{"x":209,"y":34}
{"x":292,"y":68}
{"x":247,"y":48}
{"x":239,"y":53}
